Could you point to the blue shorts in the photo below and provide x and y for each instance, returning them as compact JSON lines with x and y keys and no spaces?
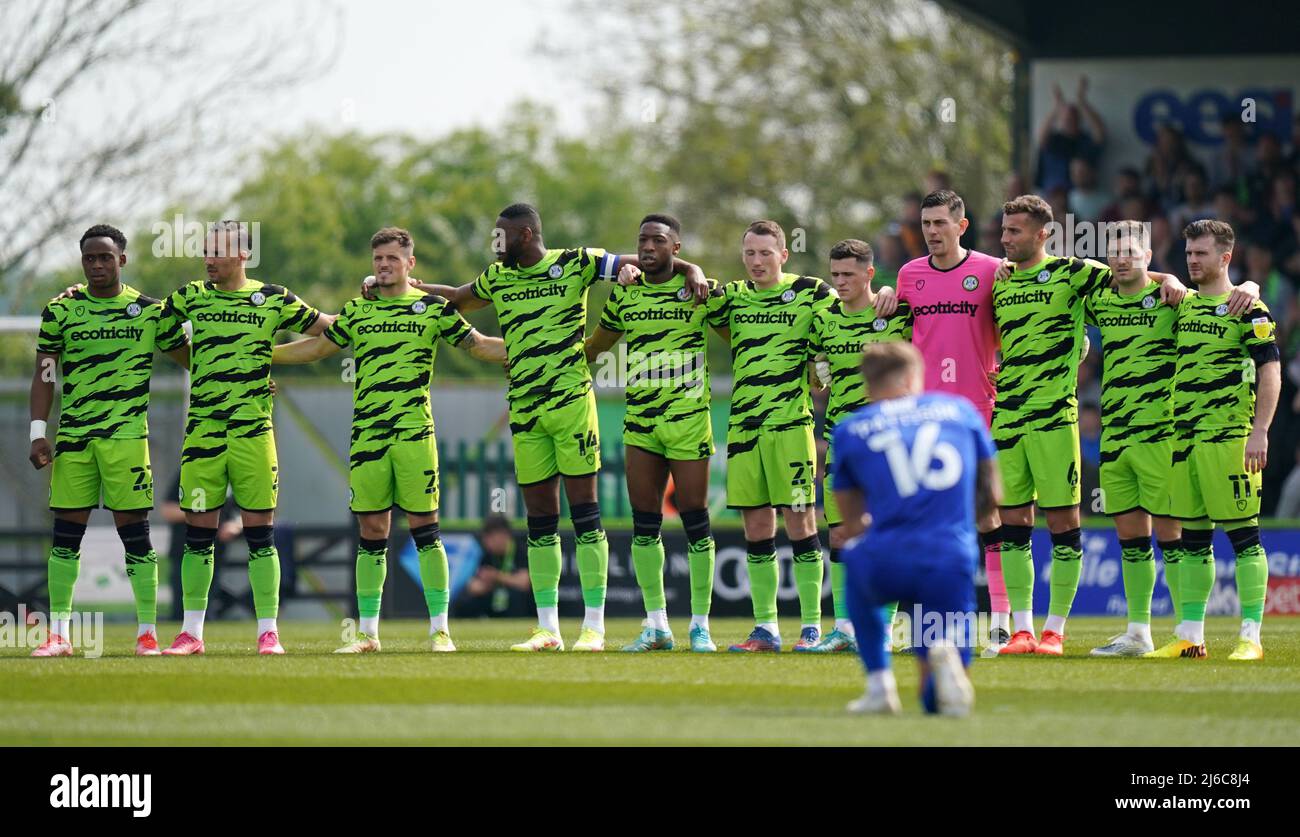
{"x":945,"y":594}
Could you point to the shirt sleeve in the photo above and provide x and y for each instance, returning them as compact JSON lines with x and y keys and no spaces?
{"x":611,"y":318}
{"x":717,"y":304}
{"x":1259,"y":334}
{"x":295,"y":314}
{"x":482,"y":286}
{"x":451,"y":326}
{"x":169,"y":335}
{"x":905,"y":320}
{"x":174,"y":310}
{"x":599,"y":264}
{"x":340,"y":331}
{"x":1088,"y":276}
{"x":50,"y":338}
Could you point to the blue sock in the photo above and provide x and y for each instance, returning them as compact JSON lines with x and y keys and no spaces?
{"x":928,"y":700}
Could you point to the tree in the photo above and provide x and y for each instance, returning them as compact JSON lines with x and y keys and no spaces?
{"x":820,"y":114}
{"x":93,"y":123}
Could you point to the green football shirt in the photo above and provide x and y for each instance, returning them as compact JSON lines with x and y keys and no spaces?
{"x":1214,"y":382}
{"x":542,"y":311}
{"x":666,"y":332}
{"x":845,"y":335}
{"x":106,"y":348}
{"x":230,"y":362}
{"x":1137,"y":356}
{"x":394,"y":343}
{"x":774,"y":333}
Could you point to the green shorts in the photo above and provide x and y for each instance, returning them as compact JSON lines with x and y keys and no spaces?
{"x":1209,"y":479}
{"x":830,"y":509}
{"x":1041,"y":466}
{"x":394,"y":467}
{"x":678,"y":439}
{"x":771,"y":467}
{"x":1134,"y":474}
{"x":564,"y":440}
{"x":234,"y":453}
{"x":86,"y":468}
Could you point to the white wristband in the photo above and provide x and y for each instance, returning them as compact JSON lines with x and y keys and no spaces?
{"x":38,"y":430}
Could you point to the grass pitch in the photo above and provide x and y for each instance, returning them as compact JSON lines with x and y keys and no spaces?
{"x":484,"y":694}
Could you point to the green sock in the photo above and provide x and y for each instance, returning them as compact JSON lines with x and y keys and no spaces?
{"x":593,"y":567}
{"x":196,"y":577}
{"x":1018,"y":570}
{"x":648,"y":561}
{"x":888,"y":612}
{"x":1173,"y":556}
{"x":839,"y":591}
{"x":1252,"y":581}
{"x":264,"y":578}
{"x":434,"y":576}
{"x":64,"y":565}
{"x":1196,"y":579}
{"x":1139,"y":567}
{"x":808,"y":581}
{"x":764,"y":578}
{"x":1067,"y":563}
{"x":142,"y":572}
{"x":544,"y":562}
{"x":701,"y":555}
{"x":372,"y":569}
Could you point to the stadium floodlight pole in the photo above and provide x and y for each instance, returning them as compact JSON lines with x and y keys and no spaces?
{"x":103,"y":335}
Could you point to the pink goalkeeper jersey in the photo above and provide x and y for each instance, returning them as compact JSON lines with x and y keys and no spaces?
{"x":953,"y":325}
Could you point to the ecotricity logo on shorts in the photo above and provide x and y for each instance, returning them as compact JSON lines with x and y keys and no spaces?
{"x":74,"y":789}
{"x":28,"y":629}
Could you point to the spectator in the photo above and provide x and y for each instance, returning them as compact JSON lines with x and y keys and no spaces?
{"x":1165,"y":166}
{"x":1196,"y":205}
{"x":1063,"y":138}
{"x":908,"y":228}
{"x":1128,"y":187}
{"x":1227,"y":207}
{"x":1273,"y":222}
{"x":500,"y":586}
{"x":1288,"y":249}
{"x":1167,"y":252}
{"x":889,"y":258}
{"x":1268,"y":165}
{"x":991,"y":238}
{"x":1087,"y":200}
{"x":1233,"y":161}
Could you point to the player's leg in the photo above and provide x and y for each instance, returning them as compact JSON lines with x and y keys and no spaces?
{"x":127,"y":481}
{"x":1232,"y":499}
{"x":1169,"y":537}
{"x":691,"y":479}
{"x":747,"y":491}
{"x":789,"y":458}
{"x":371,"y":486}
{"x":990,"y":534}
{"x":867,"y":588}
{"x":1054,"y":461}
{"x":1252,"y":587}
{"x":1196,"y":563}
{"x":575,"y":430}
{"x":946,"y":600}
{"x":415,"y":489}
{"x":255,"y":481}
{"x":542,"y":502}
{"x":74,"y":491}
{"x":204,"y":481}
{"x":1138,"y":566}
{"x":842,"y":637}
{"x":647,"y":478}
{"x":1017,"y":515}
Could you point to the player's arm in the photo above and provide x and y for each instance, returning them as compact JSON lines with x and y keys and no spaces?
{"x":1268,"y":381}
{"x":322,"y":322}
{"x":484,"y":348}
{"x":988,"y":488}
{"x":853,"y":509}
{"x":462,"y":297}
{"x":42,"y":398}
{"x":886,"y":302}
{"x":600,"y":341}
{"x":304,"y":351}
{"x":180,"y":355}
{"x":696,"y":282}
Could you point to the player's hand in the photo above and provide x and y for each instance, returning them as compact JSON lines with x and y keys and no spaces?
{"x":696,"y":285}
{"x":1243,"y":298}
{"x":822,"y":368}
{"x":69,"y":291}
{"x":368,"y":287}
{"x":42,"y":454}
{"x":1256,"y":451}
{"x":1172,"y":291}
{"x":1004,"y":270}
{"x":886,"y":302}
{"x":270,"y":384}
{"x":1087,"y":347}
{"x":629,"y":274}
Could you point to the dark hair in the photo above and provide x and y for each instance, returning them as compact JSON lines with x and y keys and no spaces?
{"x":497,"y":523}
{"x":390,"y":234}
{"x":1224,"y":237}
{"x":667,"y":220}
{"x":946,"y":197}
{"x":1130,"y":171}
{"x":852,"y":248}
{"x":771,"y":228}
{"x":1031,"y":205}
{"x":526,"y":211}
{"x":230,"y":226}
{"x":104,"y":231}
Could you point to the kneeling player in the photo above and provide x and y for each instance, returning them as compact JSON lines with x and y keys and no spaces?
{"x":924,"y":467}
{"x":394,"y":456}
{"x":667,"y":428}
{"x":104,"y":336}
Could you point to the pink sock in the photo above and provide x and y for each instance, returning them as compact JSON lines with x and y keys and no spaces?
{"x":998,"y":602}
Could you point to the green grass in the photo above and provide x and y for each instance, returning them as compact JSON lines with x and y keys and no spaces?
{"x":486,"y":695}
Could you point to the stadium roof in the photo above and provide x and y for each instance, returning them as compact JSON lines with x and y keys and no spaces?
{"x":1146,"y":28}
